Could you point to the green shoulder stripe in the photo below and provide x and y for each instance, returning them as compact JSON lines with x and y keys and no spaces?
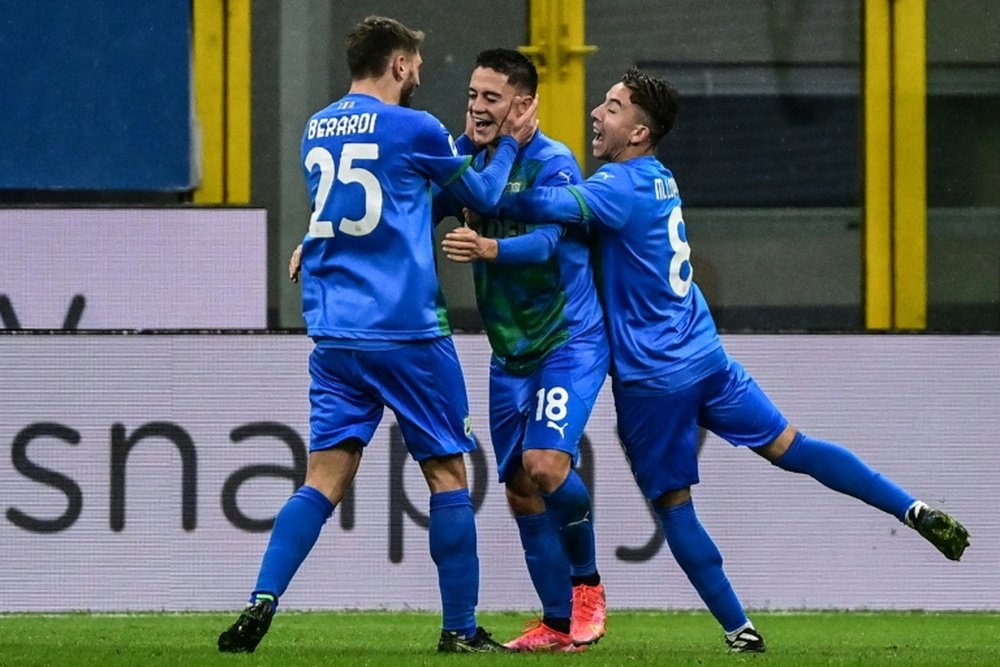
{"x":460,"y":171}
{"x":579,"y":198}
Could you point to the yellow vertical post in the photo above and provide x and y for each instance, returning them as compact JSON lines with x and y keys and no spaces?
{"x":221,"y":39}
{"x":895,"y":117}
{"x":910,"y":163}
{"x":208,"y":34}
{"x":877,"y":165}
{"x":558,"y":50}
{"x":237,"y":102}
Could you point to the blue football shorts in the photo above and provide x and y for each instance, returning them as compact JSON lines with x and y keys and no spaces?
{"x":659,"y":430}
{"x":549,"y":408}
{"x":421,"y":382}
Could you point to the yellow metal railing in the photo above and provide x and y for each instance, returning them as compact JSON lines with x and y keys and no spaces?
{"x":558,"y":51}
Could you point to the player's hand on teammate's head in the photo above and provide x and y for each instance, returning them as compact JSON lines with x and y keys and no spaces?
{"x":522,"y":119}
{"x":295,"y":264}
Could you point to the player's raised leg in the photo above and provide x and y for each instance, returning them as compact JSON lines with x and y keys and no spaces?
{"x":838,"y":468}
{"x":743,"y":414}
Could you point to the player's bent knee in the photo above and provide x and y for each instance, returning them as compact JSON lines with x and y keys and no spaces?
{"x":547,"y":468}
{"x":674,"y":498}
{"x":444,"y":473}
{"x":524,"y":501}
{"x":331,"y":471}
{"x":775,"y":449}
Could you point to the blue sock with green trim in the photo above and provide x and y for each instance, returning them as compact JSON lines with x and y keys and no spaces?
{"x":296,"y":528}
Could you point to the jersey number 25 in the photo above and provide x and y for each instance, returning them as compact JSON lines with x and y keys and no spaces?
{"x":348,"y":173}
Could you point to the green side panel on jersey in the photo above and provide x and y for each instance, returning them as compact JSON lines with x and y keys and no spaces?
{"x":440,"y":307}
{"x":523,"y":306}
{"x":461,"y":170}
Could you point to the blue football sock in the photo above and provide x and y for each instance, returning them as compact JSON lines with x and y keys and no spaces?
{"x":840,"y":469}
{"x":296,"y":528}
{"x":569,"y":509}
{"x":453,"y":548}
{"x":696,"y":553}
{"x":547,"y":564}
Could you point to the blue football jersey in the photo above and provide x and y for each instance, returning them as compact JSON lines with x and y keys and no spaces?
{"x":532,"y":307}
{"x":658,"y":321}
{"x":368,"y":267}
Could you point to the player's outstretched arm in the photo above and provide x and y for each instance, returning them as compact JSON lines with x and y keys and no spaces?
{"x":480,"y":190}
{"x":465,"y":244}
{"x":606,"y":198}
{"x":561,"y":204}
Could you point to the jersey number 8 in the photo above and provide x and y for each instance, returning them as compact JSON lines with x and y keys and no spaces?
{"x":682,"y":253}
{"x":348,"y":173}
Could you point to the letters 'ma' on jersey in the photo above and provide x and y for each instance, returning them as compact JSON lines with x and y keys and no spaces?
{"x":368,"y":260}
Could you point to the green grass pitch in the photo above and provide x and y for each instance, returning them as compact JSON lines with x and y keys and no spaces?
{"x":312,"y":639}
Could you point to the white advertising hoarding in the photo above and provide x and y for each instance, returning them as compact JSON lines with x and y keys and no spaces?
{"x":101,"y":268}
{"x":142,"y":473}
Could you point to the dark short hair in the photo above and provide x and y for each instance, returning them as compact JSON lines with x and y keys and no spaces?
{"x":520,"y":71}
{"x":657,"y":98}
{"x":372,"y":42}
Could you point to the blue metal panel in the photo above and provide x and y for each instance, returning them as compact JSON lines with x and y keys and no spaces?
{"x":95,"y":95}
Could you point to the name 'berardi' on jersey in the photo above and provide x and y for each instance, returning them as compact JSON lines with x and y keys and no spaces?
{"x":336,"y":126}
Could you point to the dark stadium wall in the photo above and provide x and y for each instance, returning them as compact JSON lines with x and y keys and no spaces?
{"x":766,"y":150}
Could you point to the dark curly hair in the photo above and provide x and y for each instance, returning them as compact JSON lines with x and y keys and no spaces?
{"x":657,"y":98}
